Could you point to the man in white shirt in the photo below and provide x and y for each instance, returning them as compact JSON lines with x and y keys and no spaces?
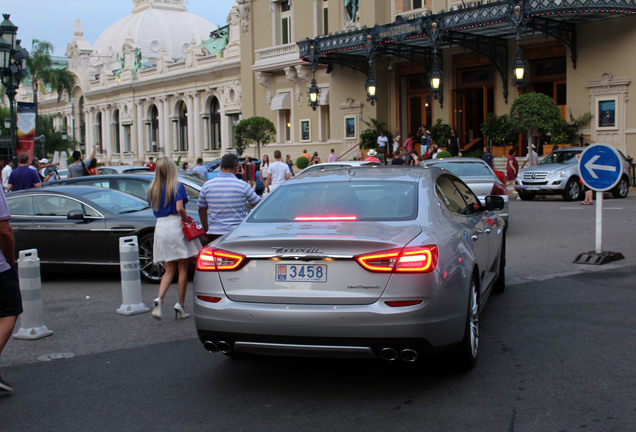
{"x":6,"y":172}
{"x":535,"y":158}
{"x":382,"y":144}
{"x":278,"y":172}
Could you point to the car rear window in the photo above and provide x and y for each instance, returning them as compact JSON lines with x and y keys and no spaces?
{"x":466,"y":169}
{"x":360,"y":201}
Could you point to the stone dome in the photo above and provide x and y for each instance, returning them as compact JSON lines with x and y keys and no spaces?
{"x":154,"y":26}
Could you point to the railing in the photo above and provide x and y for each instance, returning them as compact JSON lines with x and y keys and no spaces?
{"x":472,"y":143}
{"x":277,"y":51}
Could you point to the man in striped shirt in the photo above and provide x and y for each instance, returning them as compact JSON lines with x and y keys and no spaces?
{"x":222,"y":202}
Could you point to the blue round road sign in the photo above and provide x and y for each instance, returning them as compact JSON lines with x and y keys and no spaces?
{"x":600,"y":167}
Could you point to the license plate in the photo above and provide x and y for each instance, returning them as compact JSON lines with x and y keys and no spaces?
{"x":533,"y":187}
{"x":301,"y":273}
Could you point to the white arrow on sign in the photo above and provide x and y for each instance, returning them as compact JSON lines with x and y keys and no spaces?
{"x":590,"y":166}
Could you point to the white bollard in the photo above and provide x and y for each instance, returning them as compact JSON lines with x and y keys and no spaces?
{"x":31,"y":323}
{"x":130,"y":278}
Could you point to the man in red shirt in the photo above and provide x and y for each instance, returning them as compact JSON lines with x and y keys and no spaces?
{"x":151,"y":164}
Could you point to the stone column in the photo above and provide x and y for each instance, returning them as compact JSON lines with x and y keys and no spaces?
{"x":139,"y":125}
{"x":107,"y":128}
{"x":196,"y":119}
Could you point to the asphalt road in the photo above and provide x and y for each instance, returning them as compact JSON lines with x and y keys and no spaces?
{"x":556,"y":354}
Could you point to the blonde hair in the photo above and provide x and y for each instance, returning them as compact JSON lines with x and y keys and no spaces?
{"x":165,"y":177}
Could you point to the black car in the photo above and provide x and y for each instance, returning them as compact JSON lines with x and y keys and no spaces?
{"x":134,"y":184}
{"x":81,"y":225}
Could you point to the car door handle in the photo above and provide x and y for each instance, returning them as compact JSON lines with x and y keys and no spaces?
{"x":474,"y":238}
{"x":487,"y":231}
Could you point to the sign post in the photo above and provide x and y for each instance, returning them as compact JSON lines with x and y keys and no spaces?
{"x":600,"y":168}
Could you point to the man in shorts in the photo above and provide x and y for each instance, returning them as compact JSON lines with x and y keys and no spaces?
{"x":10,"y":298}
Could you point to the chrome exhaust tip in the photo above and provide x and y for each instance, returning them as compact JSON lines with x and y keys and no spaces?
{"x":224,"y":347}
{"x":209,"y":345}
{"x":409,"y":355}
{"x":388,"y":354}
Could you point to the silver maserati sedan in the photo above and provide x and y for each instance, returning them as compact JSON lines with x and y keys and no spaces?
{"x":367,"y":262}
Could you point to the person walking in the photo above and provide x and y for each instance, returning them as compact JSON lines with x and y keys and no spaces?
{"x":264,"y":171}
{"x":409,"y":145}
{"x":92,"y":167}
{"x":332,"y":156}
{"x":222,"y":200}
{"x":397,"y":141}
{"x":488,"y":158}
{"x":249,"y":172}
{"x":151,"y":164}
{"x":79,"y":168}
{"x":453,"y":144}
{"x":290,"y":163}
{"x":512,"y":169}
{"x":168,"y":198}
{"x":10,"y":297}
{"x":200,"y":170}
{"x":532,"y":158}
{"x":24,"y":177}
{"x":278,"y":172}
{"x":6,"y":172}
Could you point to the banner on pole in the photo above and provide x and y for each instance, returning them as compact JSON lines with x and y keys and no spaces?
{"x":26,"y":128}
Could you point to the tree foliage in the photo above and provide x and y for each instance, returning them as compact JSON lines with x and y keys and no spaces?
{"x":258,"y":130}
{"x":43,"y":74}
{"x":502,"y":130}
{"x":534,"y":111}
{"x":565,"y":132}
{"x":440,"y":132}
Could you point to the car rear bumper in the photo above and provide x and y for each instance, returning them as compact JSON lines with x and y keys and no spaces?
{"x":357,"y":331}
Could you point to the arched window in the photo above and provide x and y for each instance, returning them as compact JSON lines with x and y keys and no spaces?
{"x":215,"y":124}
{"x":82,"y":121}
{"x":116,"y":135}
{"x":98,"y":132}
{"x":183,"y":127}
{"x":154,"y":128}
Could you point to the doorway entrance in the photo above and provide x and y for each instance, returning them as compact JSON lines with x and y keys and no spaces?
{"x":474,"y":99}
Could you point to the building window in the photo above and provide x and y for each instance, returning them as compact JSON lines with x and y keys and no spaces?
{"x":407,"y":5}
{"x":154,"y":129}
{"x":215,"y":124}
{"x":285,"y":22}
{"x":98,"y":132}
{"x":116,"y":133}
{"x":325,"y":17}
{"x":183,"y":128}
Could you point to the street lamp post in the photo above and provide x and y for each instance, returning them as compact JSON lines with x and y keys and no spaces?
{"x":12,"y":69}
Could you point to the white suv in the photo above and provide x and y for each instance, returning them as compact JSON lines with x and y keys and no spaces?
{"x":558,"y":173}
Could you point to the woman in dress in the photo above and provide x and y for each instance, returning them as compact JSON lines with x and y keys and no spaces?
{"x":249,"y":171}
{"x":167,"y":198}
{"x":512,"y":169}
{"x":265,"y":169}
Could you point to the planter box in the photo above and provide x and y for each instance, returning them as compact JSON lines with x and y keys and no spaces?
{"x":499,"y":151}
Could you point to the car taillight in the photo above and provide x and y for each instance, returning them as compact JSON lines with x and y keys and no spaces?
{"x":498,"y":189}
{"x":421,"y":259}
{"x":213,"y":259}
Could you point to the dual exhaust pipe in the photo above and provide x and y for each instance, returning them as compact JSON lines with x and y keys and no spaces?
{"x":213,"y":347}
{"x":391,"y":354}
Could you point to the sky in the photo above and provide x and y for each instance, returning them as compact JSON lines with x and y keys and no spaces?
{"x":54,"y":21}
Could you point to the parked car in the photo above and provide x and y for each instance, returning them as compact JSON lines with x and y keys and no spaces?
{"x":558,"y":173}
{"x":385,"y":263}
{"x":477,"y":175}
{"x":338,"y":164}
{"x":134,"y":184}
{"x":122,"y":169}
{"x":81,"y":226}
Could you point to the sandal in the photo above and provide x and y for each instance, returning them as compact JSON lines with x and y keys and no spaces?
{"x":586,"y":203}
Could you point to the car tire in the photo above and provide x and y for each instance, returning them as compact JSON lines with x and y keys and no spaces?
{"x":526,"y":196}
{"x":465,"y":356}
{"x":622,"y":188}
{"x":573,"y":190}
{"x":150,"y":270}
{"x":500,"y":283}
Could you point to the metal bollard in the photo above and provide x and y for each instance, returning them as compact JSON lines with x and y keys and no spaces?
{"x":31,"y":323}
{"x":130,"y":278}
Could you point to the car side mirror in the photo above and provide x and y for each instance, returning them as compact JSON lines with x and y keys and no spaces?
{"x":494,"y":202}
{"x":75,"y":215}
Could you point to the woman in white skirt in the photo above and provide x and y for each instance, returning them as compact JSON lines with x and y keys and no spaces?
{"x":167,"y":198}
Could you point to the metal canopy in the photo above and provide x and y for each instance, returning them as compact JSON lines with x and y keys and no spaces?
{"x":481,"y":28}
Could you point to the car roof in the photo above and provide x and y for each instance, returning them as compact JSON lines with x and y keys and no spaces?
{"x":452,"y":160}
{"x":367,"y":172}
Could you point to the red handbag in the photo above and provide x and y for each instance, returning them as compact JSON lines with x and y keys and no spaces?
{"x":192,"y":229}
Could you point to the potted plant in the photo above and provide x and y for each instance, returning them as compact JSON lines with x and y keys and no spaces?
{"x":501,"y":131}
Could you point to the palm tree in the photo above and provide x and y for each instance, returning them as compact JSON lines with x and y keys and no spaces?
{"x":43,"y":73}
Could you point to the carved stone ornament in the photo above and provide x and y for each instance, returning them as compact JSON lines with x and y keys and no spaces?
{"x":232,"y":94}
{"x":244,"y":14}
{"x":292,"y":75}
{"x":265,"y":79}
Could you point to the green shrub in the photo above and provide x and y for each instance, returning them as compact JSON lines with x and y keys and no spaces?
{"x":302,"y":162}
{"x":440,"y":132}
{"x":443,"y":154}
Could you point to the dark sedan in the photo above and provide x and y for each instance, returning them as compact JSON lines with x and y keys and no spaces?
{"x":81,"y":225}
{"x":133,"y":184}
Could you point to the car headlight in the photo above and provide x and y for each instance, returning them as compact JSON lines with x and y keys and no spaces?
{"x":556,"y":174}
